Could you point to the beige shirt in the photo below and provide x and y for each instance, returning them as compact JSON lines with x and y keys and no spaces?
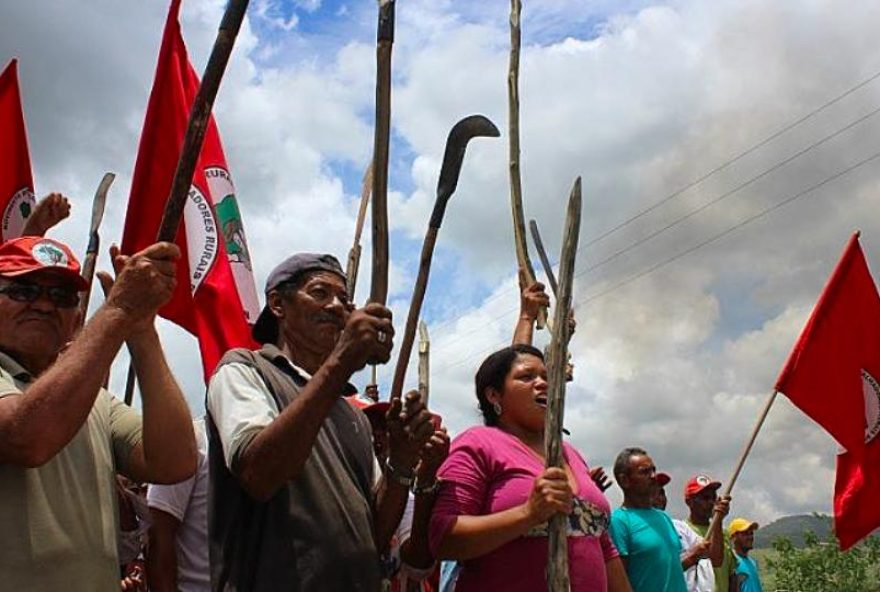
{"x":59,"y":521}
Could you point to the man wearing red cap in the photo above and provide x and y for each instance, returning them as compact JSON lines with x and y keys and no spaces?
{"x":62,"y":437}
{"x":707,"y":560}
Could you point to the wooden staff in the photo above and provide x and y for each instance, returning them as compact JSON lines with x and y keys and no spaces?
{"x":199,"y":116}
{"x":519,"y":225}
{"x":557,"y":565}
{"x":381,"y":140}
{"x":453,"y":157}
{"x":354,"y":254}
{"x":424,"y":362}
{"x":747,"y":449}
{"x":88,"y":267}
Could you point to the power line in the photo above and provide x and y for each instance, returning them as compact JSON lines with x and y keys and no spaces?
{"x":761,"y":143}
{"x":698,"y":209}
{"x":693,"y":248}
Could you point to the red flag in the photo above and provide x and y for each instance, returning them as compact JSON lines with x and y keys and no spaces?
{"x":832,"y":375}
{"x":16,"y":182}
{"x":215,"y":299}
{"x":823,"y":375}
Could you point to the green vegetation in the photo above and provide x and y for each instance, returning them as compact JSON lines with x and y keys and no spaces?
{"x":820,"y":566}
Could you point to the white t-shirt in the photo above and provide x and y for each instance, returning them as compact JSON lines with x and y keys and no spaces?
{"x":187,"y":501}
{"x":700,"y":577}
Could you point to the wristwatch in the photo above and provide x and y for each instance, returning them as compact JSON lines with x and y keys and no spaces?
{"x":399,"y":477}
{"x":430,"y":489}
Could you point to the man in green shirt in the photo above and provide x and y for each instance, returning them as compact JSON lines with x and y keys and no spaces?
{"x":701,"y":497}
{"x":62,"y":437}
{"x":644,"y":535}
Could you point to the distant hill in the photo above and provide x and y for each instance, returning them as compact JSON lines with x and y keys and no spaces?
{"x":792,"y":528}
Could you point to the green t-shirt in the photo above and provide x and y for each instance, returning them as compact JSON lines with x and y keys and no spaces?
{"x":60,"y":520}
{"x":649,"y":546}
{"x":728,"y":565}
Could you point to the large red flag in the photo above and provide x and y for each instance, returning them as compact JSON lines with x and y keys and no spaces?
{"x":16,"y":182}
{"x":832,"y":375}
{"x":215,"y":297}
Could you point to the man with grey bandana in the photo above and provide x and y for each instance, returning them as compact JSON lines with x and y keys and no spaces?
{"x":298,"y":501}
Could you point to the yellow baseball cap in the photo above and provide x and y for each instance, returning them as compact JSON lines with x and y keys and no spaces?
{"x":741,"y":525}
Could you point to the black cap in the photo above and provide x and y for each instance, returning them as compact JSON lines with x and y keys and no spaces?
{"x":291,"y":269}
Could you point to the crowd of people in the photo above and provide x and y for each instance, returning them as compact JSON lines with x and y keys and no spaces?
{"x":293,"y":480}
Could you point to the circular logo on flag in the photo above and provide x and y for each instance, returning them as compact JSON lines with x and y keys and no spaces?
{"x":871,"y":390}
{"x":18,"y":210}
{"x":49,"y":255}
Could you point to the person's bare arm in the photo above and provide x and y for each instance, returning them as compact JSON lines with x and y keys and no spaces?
{"x":716,"y":535}
{"x":532,"y":299}
{"x":616,"y":574}
{"x":415,"y":551}
{"x":47,"y":213}
{"x":409,"y":429}
{"x":168,"y":451}
{"x":162,"y":552}
{"x":470,"y":537}
{"x":261,"y":468}
{"x":34,"y":428}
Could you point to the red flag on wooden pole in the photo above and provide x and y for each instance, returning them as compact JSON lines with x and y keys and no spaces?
{"x":831,"y":375}
{"x":215,"y":299}
{"x":16,"y":182}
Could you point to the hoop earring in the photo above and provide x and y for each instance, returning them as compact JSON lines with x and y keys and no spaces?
{"x":496,"y":407}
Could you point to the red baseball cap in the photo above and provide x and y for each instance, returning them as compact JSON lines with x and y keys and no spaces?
{"x":698,"y":483}
{"x":662,"y":479}
{"x":28,"y":254}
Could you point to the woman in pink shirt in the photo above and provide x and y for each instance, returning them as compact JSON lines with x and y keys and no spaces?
{"x":496,"y":496}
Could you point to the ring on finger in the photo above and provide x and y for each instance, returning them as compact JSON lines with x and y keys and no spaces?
{"x":381,"y":336}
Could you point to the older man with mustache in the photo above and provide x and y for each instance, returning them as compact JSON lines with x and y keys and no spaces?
{"x":298,"y":499}
{"x":62,"y":436}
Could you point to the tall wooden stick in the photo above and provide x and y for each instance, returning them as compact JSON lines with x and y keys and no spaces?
{"x":745,"y":453}
{"x":557,"y":565}
{"x":381,"y":140}
{"x":456,"y":143}
{"x":354,"y":254}
{"x":424,"y":362}
{"x":519,"y":225}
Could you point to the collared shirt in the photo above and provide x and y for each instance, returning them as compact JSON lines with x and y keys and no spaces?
{"x":60,"y":519}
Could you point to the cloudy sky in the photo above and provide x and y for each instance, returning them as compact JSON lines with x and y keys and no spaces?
{"x":748,"y":128}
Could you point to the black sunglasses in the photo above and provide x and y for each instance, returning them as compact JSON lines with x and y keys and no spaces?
{"x":60,"y":296}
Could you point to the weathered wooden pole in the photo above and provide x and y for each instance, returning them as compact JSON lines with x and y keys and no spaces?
{"x":424,"y":362}
{"x":519,"y":225}
{"x":381,"y":141}
{"x":557,"y":565}
{"x":456,"y":143}
{"x":354,"y":254}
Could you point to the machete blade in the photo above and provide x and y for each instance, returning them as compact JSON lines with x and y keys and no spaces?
{"x":463,"y":131}
{"x":100,"y":200}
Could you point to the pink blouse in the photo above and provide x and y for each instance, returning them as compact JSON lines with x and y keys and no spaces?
{"x":489,"y":471}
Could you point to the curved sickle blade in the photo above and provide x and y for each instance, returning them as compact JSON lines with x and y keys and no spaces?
{"x":470,"y":127}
